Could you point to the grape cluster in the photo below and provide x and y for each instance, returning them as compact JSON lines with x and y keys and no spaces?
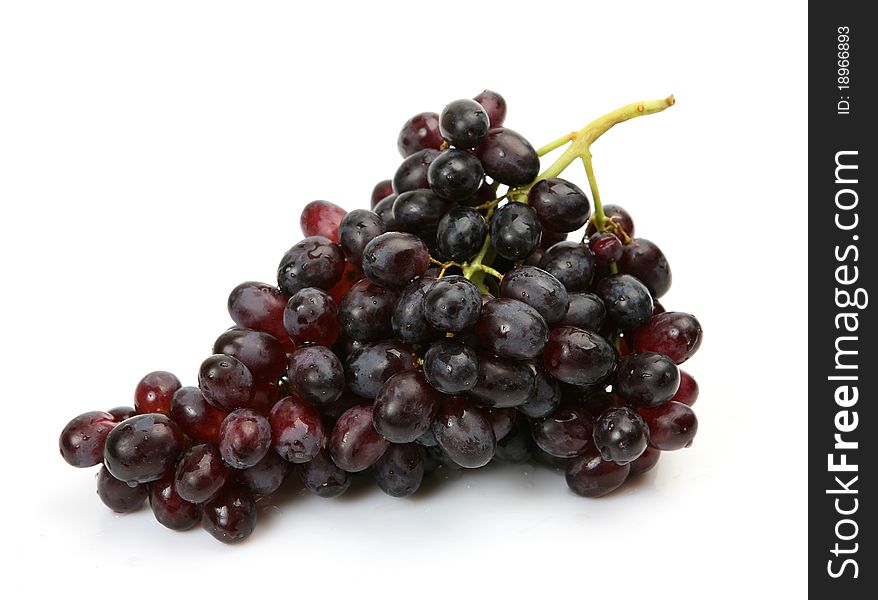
{"x":451,"y":325}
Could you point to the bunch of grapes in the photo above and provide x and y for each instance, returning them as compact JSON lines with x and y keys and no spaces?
{"x":451,"y":325}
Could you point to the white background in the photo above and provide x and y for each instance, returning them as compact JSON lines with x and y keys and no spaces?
{"x":153,"y":155}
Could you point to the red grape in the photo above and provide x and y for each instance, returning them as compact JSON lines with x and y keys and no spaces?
{"x":354,"y":444}
{"x":688,"y":392}
{"x":591,"y":476}
{"x":82,"y":439}
{"x":296,"y":429}
{"x":154,"y":393}
{"x":674,"y":334}
{"x":196,"y":417}
{"x":321,"y":218}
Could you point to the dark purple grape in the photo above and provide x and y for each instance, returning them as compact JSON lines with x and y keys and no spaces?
{"x":427,"y":439}
{"x":365,"y":312}
{"x":452,"y":304}
{"x":593,"y":401}
{"x":419,"y":212}
{"x":578,"y":356}
{"x":508,"y":158}
{"x":645,"y":261}
{"x":260,"y":352}
{"x":354,"y":444}
{"x":313,"y":262}
{"x":405,"y":407}
{"x":591,"y":476}
{"x":439,"y":458}
{"x":384,"y":187}
{"x":455,"y":174}
{"x":321,"y":476}
{"x":561,"y":205}
{"x":255,"y":305}
{"x":517,"y":446}
{"x":225,"y":382}
{"x":672,"y":426}
{"x":537,"y":288}
{"x":265,"y":477}
{"x":400,"y":470}
{"x":265,"y":396}
{"x":311,"y":316}
{"x":645,"y":461}
{"x":394,"y":258}
{"x":451,"y":366}
{"x":368,"y":368}
{"x":384,"y":210}
{"x":82,"y":439}
{"x":419,"y":133}
{"x":626,"y":299}
{"x":120,"y":413}
{"x":332,"y":411}
{"x":502,"y":420}
{"x":546,"y":395}
{"x":559,"y":465}
{"x":316,"y":374}
{"x":647,"y":379}
{"x":464,"y":432}
{"x":620,"y":435}
{"x":688,"y":392}
{"x":117,"y":495}
{"x":296,"y":429}
{"x":357,"y":229}
{"x":231,"y":516}
{"x":494,"y":105}
{"x":464,"y":123}
{"x":535,"y":257}
{"x":607,"y":249}
{"x":576,"y":394}
{"x":321,"y":218}
{"x":515,"y":231}
{"x":486,"y":193}
{"x":408,"y":320}
{"x":345,"y":346}
{"x":572,"y":263}
{"x":675,"y":334}
{"x":154,"y":393}
{"x":617,"y":215}
{"x":503,"y":383}
{"x":461,"y":233}
{"x":565,"y":433}
{"x":245,"y":438}
{"x":512,"y":329}
{"x":195,"y":416}
{"x":169,"y":508}
{"x":142,"y":448}
{"x":412,"y":172}
{"x":200,"y":474}
{"x":586,"y":312}
{"x":550,"y":238}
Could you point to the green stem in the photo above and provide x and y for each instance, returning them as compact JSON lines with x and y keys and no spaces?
{"x":474,"y":270}
{"x":490,"y":205}
{"x":580,"y":147}
{"x":490,"y":271}
{"x":581,"y":141}
{"x":556,"y":144}
{"x":599,"y":219}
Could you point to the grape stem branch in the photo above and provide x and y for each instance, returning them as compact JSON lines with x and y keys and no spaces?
{"x":579,"y":148}
{"x":475,"y":270}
